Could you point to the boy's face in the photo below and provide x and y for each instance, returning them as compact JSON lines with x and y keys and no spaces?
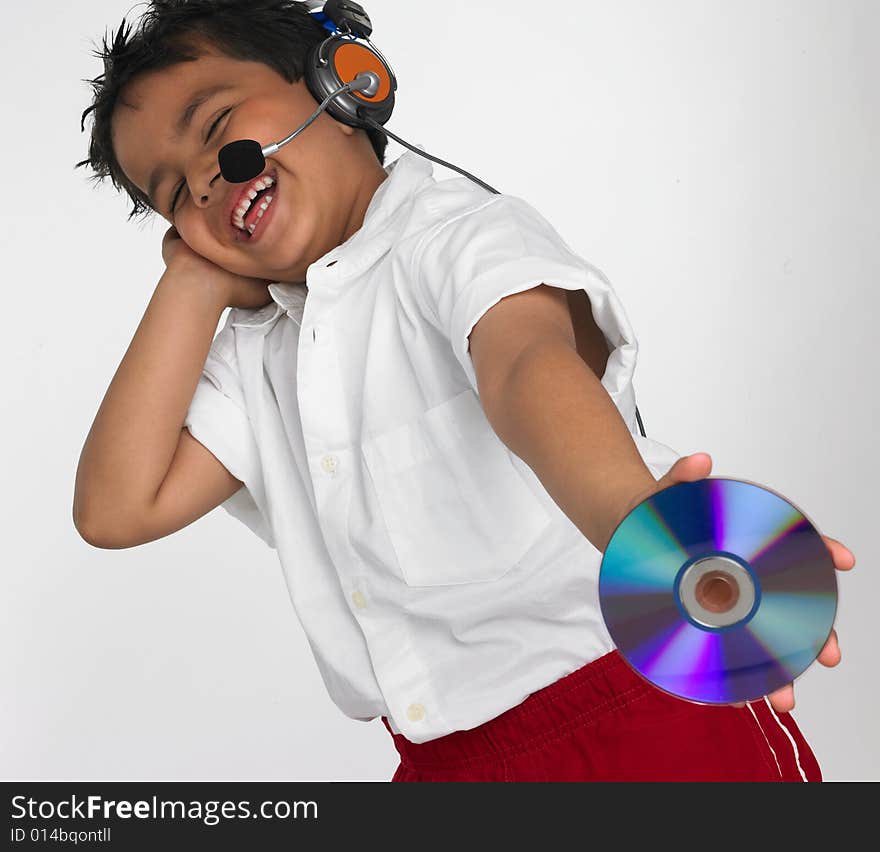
{"x":325,"y":179}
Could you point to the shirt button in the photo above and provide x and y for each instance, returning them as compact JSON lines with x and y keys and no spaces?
{"x":329,"y":464}
{"x":415,"y":712}
{"x":359,"y":600}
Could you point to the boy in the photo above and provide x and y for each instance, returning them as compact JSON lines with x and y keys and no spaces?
{"x":421,"y":398}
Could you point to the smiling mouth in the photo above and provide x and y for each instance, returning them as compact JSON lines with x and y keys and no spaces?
{"x":250,"y":219}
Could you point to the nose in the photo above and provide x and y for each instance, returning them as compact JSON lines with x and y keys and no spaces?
{"x":203,"y":192}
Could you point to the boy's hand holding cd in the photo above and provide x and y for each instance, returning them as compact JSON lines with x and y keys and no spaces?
{"x":697,"y":467}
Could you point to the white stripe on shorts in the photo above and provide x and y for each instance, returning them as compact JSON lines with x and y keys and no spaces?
{"x":797,"y":755}
{"x":758,"y":723}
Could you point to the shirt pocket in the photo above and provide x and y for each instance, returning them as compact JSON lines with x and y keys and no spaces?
{"x":455,"y":507}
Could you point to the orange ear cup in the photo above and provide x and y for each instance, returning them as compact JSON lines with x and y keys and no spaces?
{"x":350,"y":59}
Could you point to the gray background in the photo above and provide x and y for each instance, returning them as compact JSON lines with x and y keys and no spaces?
{"x":717,"y":161}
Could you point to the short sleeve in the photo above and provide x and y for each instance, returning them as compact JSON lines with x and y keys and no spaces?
{"x":504,"y":246}
{"x":217,"y":418}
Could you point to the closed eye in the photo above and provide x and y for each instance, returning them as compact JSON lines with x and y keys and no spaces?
{"x":207,"y":138}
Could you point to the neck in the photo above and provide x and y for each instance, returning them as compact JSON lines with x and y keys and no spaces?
{"x":362,"y":201}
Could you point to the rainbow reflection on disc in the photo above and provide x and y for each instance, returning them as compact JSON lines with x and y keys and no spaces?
{"x":718,"y":590}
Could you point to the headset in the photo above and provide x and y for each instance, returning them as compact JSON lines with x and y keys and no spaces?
{"x":352,"y":81}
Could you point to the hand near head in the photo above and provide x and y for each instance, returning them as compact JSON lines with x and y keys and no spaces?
{"x":699,"y":466}
{"x":235,"y":291}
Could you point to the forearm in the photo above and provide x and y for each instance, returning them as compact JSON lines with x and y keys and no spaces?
{"x":558,"y":418}
{"x":135,"y":434}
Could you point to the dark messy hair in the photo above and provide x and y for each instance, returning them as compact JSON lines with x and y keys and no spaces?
{"x":278,"y":33}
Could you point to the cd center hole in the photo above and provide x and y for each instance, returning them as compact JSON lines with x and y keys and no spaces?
{"x":717,"y":591}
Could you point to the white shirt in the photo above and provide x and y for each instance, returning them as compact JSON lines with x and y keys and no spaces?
{"x":437,"y":581}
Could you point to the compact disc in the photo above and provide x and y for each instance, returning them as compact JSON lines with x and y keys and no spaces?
{"x":718,"y":590}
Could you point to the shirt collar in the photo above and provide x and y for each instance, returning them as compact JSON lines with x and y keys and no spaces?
{"x":381,"y":223}
{"x":363,"y":248}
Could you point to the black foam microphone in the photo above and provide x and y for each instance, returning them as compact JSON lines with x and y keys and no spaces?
{"x":241,"y":161}
{"x":245,"y":159}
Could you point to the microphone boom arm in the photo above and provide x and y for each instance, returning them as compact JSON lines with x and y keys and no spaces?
{"x":366,"y":82}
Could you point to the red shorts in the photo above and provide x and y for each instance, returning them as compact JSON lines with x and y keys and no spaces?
{"x":605,"y":723}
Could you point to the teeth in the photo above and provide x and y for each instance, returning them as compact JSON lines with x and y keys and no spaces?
{"x":240,"y":212}
{"x":262,"y":209}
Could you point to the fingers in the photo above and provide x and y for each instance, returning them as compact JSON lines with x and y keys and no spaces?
{"x":843,"y":557}
{"x":830,"y":653}
{"x":782,"y":701}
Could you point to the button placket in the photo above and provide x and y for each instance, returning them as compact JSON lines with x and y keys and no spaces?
{"x":321,"y":404}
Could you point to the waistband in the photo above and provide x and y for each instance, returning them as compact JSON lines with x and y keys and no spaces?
{"x":597,"y":687}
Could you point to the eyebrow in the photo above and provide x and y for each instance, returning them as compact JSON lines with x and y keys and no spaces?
{"x":180,"y":127}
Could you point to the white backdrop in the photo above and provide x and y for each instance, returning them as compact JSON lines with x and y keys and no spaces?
{"x":717,"y":161}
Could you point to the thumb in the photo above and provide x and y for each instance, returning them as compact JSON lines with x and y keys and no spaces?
{"x":687,"y":469}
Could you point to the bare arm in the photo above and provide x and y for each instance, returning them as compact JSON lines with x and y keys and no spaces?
{"x":531,"y":356}
{"x":559,"y":419}
{"x":137,"y":433}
